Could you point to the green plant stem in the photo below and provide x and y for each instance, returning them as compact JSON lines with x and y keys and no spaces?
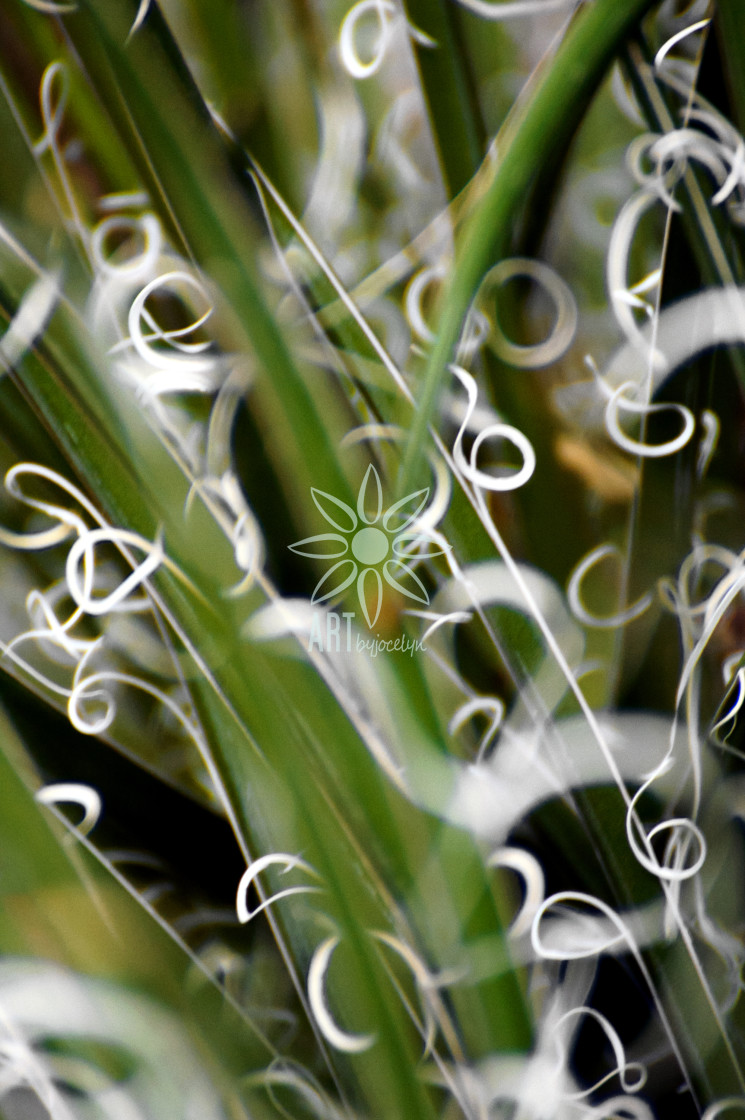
{"x":729,"y":22}
{"x":170,"y":137}
{"x":543,"y":121}
{"x":277,"y":736}
{"x":457,"y":129}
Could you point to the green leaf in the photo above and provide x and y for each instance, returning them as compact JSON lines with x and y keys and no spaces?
{"x":542,"y":122}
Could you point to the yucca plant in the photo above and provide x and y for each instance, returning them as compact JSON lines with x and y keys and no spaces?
{"x":372,"y":559}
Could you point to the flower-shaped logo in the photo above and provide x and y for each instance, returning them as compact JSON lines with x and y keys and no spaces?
{"x":370,"y":541}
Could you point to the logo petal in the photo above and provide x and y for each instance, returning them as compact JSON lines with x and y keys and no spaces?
{"x":335,"y":581}
{"x":405,"y":511}
{"x":319,"y":553}
{"x":407,"y":545}
{"x":377,"y":497}
{"x":363,"y":592}
{"x":412,"y":587}
{"x":330,"y":508}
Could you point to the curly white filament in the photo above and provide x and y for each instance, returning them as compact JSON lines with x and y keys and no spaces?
{"x":561,"y":335}
{"x":82,"y":552}
{"x":28,"y":323}
{"x":339,"y":1039}
{"x":78,"y":794}
{"x":515,"y":9}
{"x":674,"y":39}
{"x":384,"y":12}
{"x":638,"y":447}
{"x":288,"y":863}
{"x":507,"y":432}
{"x":489,"y":706}
{"x":574,"y":593}
{"x":531,"y":873}
{"x":141,"y":264}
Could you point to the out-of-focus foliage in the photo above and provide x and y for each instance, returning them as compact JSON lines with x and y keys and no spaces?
{"x":371,"y":559}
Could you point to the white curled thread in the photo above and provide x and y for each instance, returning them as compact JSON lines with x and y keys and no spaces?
{"x":561,"y":336}
{"x":490,"y":583}
{"x":34,"y":312}
{"x":625,"y":99}
{"x":52,"y":113}
{"x":716,"y":606}
{"x":734,"y":179}
{"x":588,"y":934}
{"x":122,"y":200}
{"x":289,"y":863}
{"x":78,"y":794}
{"x":51,"y":7}
{"x":674,"y":39}
{"x":683,"y":832}
{"x":52,"y":634}
{"x":619,"y":251}
{"x":655,"y":184}
{"x":730,"y":665}
{"x":597,"y":734}
{"x":708,"y":445}
{"x":531,"y":873}
{"x":413,"y":300}
{"x":646,"y":450}
{"x":85,"y":689}
{"x":339,"y":1039}
{"x":477,"y":326}
{"x":715,"y":1110}
{"x":494,"y":431}
{"x":140,"y":17}
{"x":333,"y":195}
{"x":156,"y":357}
{"x":729,"y":148}
{"x":681,"y":599}
{"x":712,"y":317}
{"x":83,"y":551}
{"x":427,"y":984}
{"x":738,"y":702}
{"x":622,"y":1067}
{"x":696,"y":637}
{"x":67,"y":521}
{"x":452,"y":618}
{"x":513,"y":9}
{"x":127,"y":251}
{"x":489,"y":706}
{"x":581,"y":613}
{"x":80,"y":578}
{"x":649,"y":356}
{"x":283,"y":1073}
{"x":385,"y":12}
{"x":591,"y":937}
{"x":671,"y":154}
{"x":185,"y":371}
{"x":140,"y":264}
